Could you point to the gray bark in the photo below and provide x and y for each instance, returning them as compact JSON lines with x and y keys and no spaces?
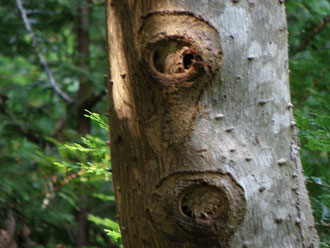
{"x":203,"y":141}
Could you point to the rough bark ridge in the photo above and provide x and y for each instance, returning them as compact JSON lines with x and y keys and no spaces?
{"x":203,"y":141}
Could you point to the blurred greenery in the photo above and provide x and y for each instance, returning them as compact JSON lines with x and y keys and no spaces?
{"x":308,"y":24}
{"x":46,"y":168}
{"x":48,"y":171}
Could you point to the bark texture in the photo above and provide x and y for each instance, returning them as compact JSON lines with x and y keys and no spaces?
{"x":203,"y":143}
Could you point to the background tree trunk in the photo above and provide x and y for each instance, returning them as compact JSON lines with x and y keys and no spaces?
{"x":203,"y":141}
{"x":84,"y":123}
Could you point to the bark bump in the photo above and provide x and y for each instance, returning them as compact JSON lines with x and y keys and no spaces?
{"x":206,"y":206}
{"x":184,"y":52}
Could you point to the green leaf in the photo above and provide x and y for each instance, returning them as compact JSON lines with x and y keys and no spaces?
{"x":115,"y":236}
{"x":106,"y":222}
{"x":96,"y":117}
{"x":104,"y":197}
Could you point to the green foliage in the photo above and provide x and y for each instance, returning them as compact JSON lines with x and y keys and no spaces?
{"x":96,"y":117}
{"x":45,"y":198}
{"x":309,"y":63}
{"x":112,"y":227}
{"x":84,"y":168}
{"x":95,"y":150}
{"x":324,"y":245}
{"x":315,"y":130}
{"x":89,"y":147}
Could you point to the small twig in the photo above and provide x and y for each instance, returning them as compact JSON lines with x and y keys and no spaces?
{"x":320,"y":184}
{"x":40,"y":56}
{"x":68,"y":179}
{"x":316,"y":30}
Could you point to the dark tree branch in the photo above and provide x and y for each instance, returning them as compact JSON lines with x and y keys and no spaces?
{"x":311,"y":36}
{"x":94,"y":99}
{"x":40,"y":56}
{"x":57,"y":134}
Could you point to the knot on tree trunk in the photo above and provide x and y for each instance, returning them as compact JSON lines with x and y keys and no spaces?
{"x":206,"y":206}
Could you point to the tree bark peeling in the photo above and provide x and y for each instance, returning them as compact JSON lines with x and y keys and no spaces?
{"x":198,"y":104}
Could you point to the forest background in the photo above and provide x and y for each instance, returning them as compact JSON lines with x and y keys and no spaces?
{"x":55,"y":170}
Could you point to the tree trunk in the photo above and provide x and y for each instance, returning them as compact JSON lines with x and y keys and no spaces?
{"x":84,"y":123}
{"x":203,"y":142}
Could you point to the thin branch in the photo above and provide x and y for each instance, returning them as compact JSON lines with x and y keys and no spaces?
{"x":41,"y":57}
{"x":319,"y":184}
{"x":311,"y":36}
{"x":68,"y":179}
